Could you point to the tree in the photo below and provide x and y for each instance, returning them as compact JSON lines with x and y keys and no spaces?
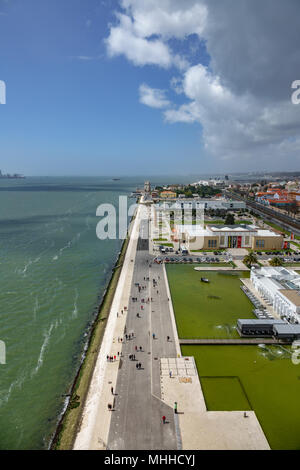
{"x":276,"y":262}
{"x":229,"y":220}
{"x":250,"y":259}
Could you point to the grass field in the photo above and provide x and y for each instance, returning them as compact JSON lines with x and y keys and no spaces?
{"x":267,"y":376}
{"x":207,"y":310}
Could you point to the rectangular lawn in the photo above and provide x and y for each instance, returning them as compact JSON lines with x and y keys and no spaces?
{"x":207,"y":310}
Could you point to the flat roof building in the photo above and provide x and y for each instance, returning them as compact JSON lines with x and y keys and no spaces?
{"x":280,"y":287}
{"x":198,"y":237}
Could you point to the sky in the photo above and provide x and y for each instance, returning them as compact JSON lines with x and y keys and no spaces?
{"x":128,"y":87}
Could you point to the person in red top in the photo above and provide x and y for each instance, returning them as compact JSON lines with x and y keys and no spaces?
{"x":163,"y":419}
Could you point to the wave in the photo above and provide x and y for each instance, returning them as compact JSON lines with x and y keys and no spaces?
{"x":75,"y":308}
{"x":42,"y":351}
{"x":35,"y":308}
{"x":15,"y":384}
{"x":68,"y":245}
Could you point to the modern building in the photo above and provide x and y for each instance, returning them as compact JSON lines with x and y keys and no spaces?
{"x":279,"y":329}
{"x":213,"y":203}
{"x":249,"y":327}
{"x":227,"y":236}
{"x":280,"y":287}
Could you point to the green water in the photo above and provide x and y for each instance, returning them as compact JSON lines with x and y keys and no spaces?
{"x":271,"y":384}
{"x":205,"y":310}
{"x":53,"y":273}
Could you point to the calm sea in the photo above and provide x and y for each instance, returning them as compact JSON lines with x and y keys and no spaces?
{"x":53,"y":271}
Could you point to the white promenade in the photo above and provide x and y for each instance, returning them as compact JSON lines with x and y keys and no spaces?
{"x":95,"y":423}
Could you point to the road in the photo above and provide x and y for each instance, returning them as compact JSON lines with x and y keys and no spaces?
{"x":138,"y":409}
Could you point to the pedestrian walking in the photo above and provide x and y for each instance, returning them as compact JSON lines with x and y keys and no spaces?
{"x":140,"y":348}
{"x":164,"y":419}
{"x":112,"y":390}
{"x":109,"y":407}
{"x":153,"y":335}
{"x":170,"y":374}
{"x":135,"y":348}
{"x":168,"y":338}
{"x":175,"y":407}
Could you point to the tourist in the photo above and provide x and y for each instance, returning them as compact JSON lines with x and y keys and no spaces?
{"x":170,"y":374}
{"x":163,"y":419}
{"x":175,"y":407}
{"x":112,"y":390}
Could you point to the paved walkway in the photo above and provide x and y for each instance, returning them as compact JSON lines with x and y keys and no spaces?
{"x":136,"y":421}
{"x":142,"y":396}
{"x":207,"y":430}
{"x":95,"y":423}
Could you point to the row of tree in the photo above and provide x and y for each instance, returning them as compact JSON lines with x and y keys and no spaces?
{"x":250,"y":259}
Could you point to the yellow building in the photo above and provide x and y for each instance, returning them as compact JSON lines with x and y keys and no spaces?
{"x":168,"y":195}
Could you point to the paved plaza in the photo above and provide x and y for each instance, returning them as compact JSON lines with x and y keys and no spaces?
{"x":142,"y":389}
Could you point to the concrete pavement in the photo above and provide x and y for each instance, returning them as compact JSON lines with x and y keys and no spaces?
{"x":136,"y":422}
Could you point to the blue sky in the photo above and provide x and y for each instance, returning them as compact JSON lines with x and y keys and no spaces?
{"x":74,"y":97}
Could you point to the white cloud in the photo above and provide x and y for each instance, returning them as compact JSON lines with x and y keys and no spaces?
{"x":153,"y":97}
{"x":166,"y":18}
{"x":140,"y":51}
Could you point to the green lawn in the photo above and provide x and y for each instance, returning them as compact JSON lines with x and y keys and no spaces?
{"x":207,"y":310}
{"x":271,"y":384}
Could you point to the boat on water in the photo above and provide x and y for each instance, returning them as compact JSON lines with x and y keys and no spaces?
{"x":116,"y":179}
{"x":204,"y":279}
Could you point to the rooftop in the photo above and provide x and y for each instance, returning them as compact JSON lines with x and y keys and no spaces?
{"x":293,"y":295}
{"x":287,"y":328}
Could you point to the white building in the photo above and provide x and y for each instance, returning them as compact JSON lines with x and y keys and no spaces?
{"x":213,"y":203}
{"x":280,"y":287}
{"x":227,"y":236}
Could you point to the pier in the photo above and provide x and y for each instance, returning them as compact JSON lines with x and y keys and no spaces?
{"x":222,"y":341}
